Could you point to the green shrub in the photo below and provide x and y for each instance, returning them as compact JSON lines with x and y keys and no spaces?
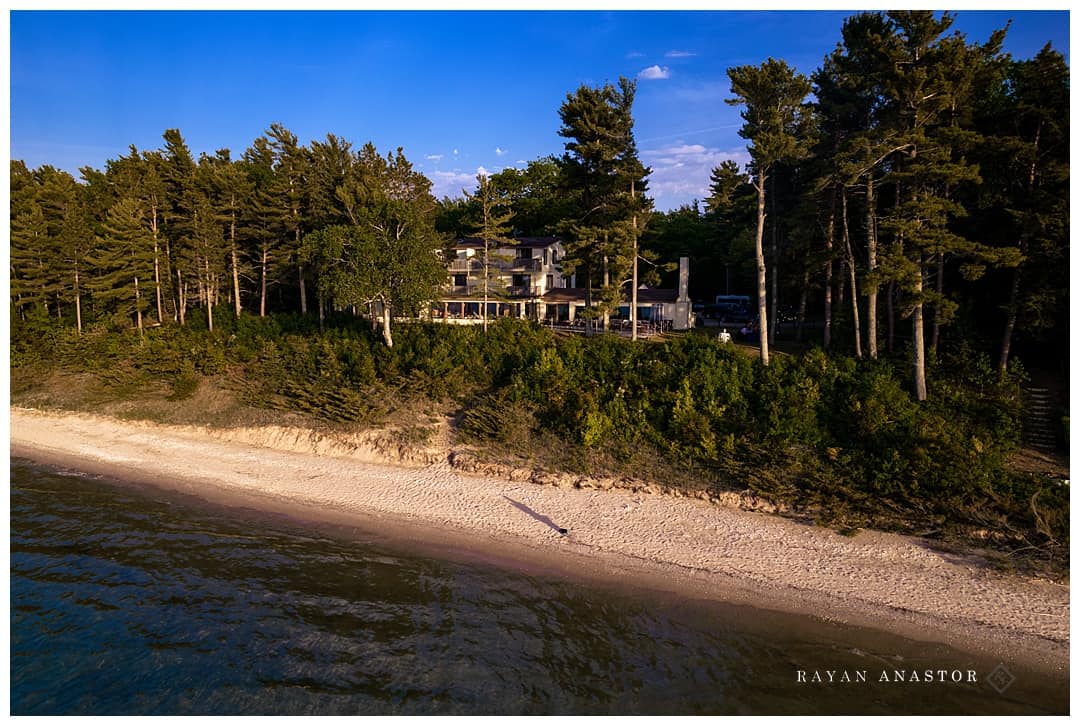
{"x":186,"y":382}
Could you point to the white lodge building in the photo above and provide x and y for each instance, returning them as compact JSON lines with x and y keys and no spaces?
{"x":525,"y":280}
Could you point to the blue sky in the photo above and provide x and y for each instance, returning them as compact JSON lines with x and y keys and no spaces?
{"x":460,"y":91}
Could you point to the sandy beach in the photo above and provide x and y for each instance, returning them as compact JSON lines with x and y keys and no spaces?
{"x":683,"y":545}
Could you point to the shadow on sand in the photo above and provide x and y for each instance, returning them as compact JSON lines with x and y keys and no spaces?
{"x":538,"y":517}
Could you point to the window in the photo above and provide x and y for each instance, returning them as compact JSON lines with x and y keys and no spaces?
{"x":461,"y":280}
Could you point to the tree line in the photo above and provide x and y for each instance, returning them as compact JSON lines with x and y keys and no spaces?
{"x":913,"y":181}
{"x":158,"y":233}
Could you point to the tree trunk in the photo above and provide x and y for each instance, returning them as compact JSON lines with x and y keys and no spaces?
{"x":775,"y":272}
{"x":1010,"y":322}
{"x":851,"y":267}
{"x":939,"y":286}
{"x":138,"y":308}
{"x":854,"y":290}
{"x":157,"y":268}
{"x":802,"y":305}
{"x":607,"y":287}
{"x":871,"y":255}
{"x":588,"y":300}
{"x":303,"y":292}
{"x":487,"y":272}
{"x":78,"y":303}
{"x":917,"y":343}
{"x":181,"y":291}
{"x":235,"y":266}
{"x":759,"y":254}
{"x":263,"y":260}
{"x":829,"y":234}
{"x":174,"y":295}
{"x":386,"y":325}
{"x":209,"y":295}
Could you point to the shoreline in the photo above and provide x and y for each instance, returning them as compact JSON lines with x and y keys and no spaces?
{"x":680,"y":546}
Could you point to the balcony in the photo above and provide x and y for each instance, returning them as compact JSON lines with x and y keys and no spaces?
{"x":523,"y":291}
{"x":525,"y":264}
{"x":470,"y":265}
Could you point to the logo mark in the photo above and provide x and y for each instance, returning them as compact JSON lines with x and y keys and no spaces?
{"x":1000,"y":678}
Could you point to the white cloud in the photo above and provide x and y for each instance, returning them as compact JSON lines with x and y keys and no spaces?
{"x":451,"y":183}
{"x":434,"y":157}
{"x":655,"y":73}
{"x":681,"y":171}
{"x":499,"y":151}
{"x":455,"y":152}
{"x":679,"y":54}
{"x":635,"y":54}
{"x":521,"y":161}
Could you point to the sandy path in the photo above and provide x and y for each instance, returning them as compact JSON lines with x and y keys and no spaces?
{"x":685,"y":545}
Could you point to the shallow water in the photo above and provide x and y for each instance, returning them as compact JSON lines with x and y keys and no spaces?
{"x":134,"y":600}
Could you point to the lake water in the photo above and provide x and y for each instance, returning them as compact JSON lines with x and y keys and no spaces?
{"x":135,"y":600}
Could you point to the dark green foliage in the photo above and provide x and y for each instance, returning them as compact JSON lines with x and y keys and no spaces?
{"x":185,"y":384}
{"x":830,"y":435}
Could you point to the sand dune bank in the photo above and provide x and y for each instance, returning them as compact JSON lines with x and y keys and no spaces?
{"x":682,"y":545}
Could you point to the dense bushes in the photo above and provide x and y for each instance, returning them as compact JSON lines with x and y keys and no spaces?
{"x":828,"y":433}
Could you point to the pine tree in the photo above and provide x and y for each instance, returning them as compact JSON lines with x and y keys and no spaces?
{"x":1028,"y":125}
{"x":208,"y":243}
{"x":33,"y":274}
{"x":264,"y":222}
{"x":493,"y":229}
{"x":772,"y":94}
{"x":230,"y":189}
{"x":926,"y":88}
{"x":178,"y":179}
{"x":291,"y":167}
{"x":602,"y":166}
{"x":123,"y":262}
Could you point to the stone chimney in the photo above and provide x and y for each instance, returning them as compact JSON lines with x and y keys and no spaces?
{"x":682,"y":304}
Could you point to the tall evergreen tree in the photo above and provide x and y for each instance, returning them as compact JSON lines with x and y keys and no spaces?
{"x":492,"y":226}
{"x":931,"y":167}
{"x":772,"y":95}
{"x":291,"y":166}
{"x":230,"y":188}
{"x":33,"y":277}
{"x":123,"y":262}
{"x":1030,"y":126}
{"x":178,"y":179}
{"x":601,"y":164}
{"x":266,"y":217}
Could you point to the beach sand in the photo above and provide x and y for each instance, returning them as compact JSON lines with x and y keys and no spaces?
{"x":680,"y":545}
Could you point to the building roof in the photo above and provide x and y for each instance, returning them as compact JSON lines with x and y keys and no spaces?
{"x":518,"y":242}
{"x":646,"y":295}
